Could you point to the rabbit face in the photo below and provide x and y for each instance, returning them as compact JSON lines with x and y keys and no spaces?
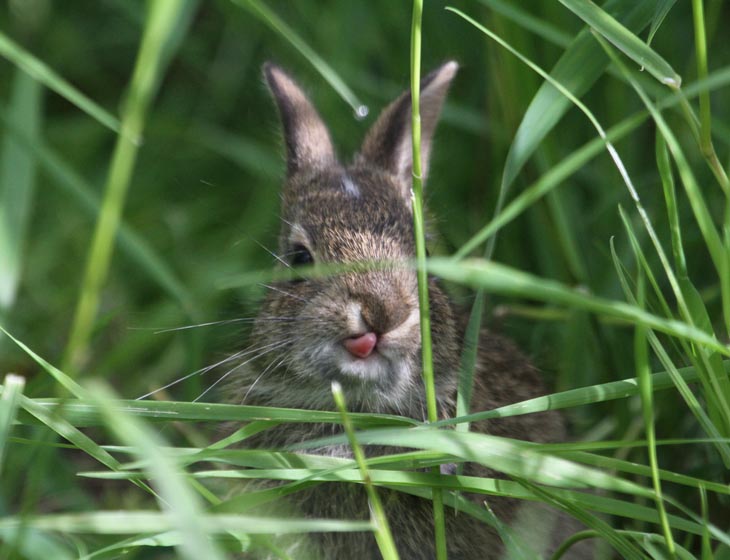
{"x":360,"y":328}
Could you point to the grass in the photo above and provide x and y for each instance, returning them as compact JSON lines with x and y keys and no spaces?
{"x":579,"y":184}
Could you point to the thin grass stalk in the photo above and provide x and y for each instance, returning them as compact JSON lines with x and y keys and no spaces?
{"x":670,"y":199}
{"x":383,"y":535}
{"x":708,"y":149}
{"x":13,"y":386}
{"x":641,"y":356}
{"x":160,"y":25}
{"x":720,"y":382}
{"x":706,"y":546}
{"x":418,"y":224}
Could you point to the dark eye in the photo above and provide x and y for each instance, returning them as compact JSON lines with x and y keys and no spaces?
{"x":300,"y":256}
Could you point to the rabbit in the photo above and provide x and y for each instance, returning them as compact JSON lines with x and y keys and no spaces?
{"x":361,"y":328}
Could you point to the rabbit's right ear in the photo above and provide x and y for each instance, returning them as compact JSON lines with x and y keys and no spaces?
{"x":388,"y":144}
{"x":308,"y":143}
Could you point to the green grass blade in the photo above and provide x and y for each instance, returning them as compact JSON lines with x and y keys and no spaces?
{"x":611,"y":463}
{"x":694,"y":193}
{"x":131,"y":522}
{"x":625,"y":41}
{"x":422,"y":275}
{"x":579,"y":397}
{"x":578,"y":69}
{"x":670,"y":200}
{"x":660,"y":12}
{"x":524,"y":19}
{"x":64,"y":380}
{"x":17,"y":184}
{"x":383,"y":535}
{"x":678,"y":379}
{"x":183,"y":510}
{"x":263,"y":12}
{"x":641,"y":357}
{"x":163,"y":19}
{"x":500,"y":279}
{"x":43,"y":74}
{"x":83,"y":412}
{"x":12,"y":389}
{"x":548,"y":181}
{"x":34,"y":545}
{"x":510,"y":456}
{"x":708,"y":150}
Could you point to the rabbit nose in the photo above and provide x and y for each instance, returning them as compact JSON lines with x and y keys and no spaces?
{"x":361,"y":346}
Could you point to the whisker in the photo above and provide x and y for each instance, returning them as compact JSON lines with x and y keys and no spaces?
{"x":272,"y":253}
{"x":281,"y":361}
{"x":199,"y":325}
{"x":230,"y":371}
{"x":284,"y":292}
{"x":206,"y":369}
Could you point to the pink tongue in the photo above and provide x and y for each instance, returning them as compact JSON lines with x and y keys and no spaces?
{"x":361,"y":346}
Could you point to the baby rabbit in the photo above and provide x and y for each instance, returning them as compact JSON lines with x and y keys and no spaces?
{"x":362,"y":328}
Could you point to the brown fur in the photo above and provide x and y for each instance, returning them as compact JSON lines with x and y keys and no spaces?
{"x":362,"y":212}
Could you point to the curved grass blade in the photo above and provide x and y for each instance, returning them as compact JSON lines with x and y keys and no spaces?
{"x":41,"y":72}
{"x":625,"y":41}
{"x":500,"y":279}
{"x":660,"y":12}
{"x":17,"y":184}
{"x":263,"y":12}
{"x":578,"y":69}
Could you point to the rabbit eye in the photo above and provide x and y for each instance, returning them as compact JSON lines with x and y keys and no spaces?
{"x":301,"y":256}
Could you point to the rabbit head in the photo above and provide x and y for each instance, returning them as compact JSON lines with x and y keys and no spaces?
{"x":359,"y":328}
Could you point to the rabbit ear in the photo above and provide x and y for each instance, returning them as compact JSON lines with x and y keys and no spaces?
{"x":388,"y":144}
{"x":308,"y":143}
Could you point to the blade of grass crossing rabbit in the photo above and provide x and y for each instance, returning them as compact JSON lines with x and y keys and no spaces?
{"x":382,"y":529}
{"x":422,"y":274}
{"x":641,"y":358}
{"x":162,"y":21}
{"x":183,"y":509}
{"x":505,"y":280}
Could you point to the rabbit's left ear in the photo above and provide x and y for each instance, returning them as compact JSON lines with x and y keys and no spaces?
{"x":308,"y":144}
{"x":388,"y":144}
